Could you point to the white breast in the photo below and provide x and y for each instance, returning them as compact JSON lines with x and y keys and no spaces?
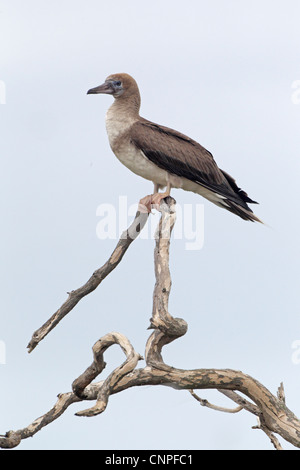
{"x":117,"y":127}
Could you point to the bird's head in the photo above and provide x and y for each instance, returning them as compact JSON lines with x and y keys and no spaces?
{"x":120,"y":85}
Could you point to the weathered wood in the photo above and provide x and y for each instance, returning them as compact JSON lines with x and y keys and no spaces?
{"x":98,"y":365}
{"x":167,"y":328}
{"x":271,"y":411}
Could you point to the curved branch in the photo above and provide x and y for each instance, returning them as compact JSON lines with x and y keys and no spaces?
{"x":279,"y":420}
{"x":98,"y":365}
{"x":204,"y":402}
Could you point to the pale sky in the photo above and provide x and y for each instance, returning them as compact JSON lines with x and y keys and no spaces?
{"x":226,"y":74}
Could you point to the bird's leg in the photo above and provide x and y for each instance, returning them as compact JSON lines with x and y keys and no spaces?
{"x":153,"y":200}
{"x":156,"y":188}
{"x":157,"y":197}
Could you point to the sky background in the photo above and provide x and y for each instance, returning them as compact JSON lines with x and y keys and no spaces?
{"x":221,"y":72}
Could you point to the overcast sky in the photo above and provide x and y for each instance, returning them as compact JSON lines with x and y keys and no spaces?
{"x":223,"y":72}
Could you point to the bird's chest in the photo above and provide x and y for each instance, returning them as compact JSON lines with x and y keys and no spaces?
{"x":117,"y":127}
{"x":118,"y":131}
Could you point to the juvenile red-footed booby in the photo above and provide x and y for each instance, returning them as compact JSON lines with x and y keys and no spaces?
{"x":162,"y":155}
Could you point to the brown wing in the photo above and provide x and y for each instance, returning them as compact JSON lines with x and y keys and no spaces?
{"x":182,"y":156}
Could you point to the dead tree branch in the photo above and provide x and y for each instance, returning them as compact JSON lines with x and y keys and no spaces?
{"x":91,"y":372}
{"x":204,"y":402}
{"x":127,"y":237}
{"x":271,"y":411}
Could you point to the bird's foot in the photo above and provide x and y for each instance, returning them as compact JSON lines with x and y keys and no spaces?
{"x":152,"y":201}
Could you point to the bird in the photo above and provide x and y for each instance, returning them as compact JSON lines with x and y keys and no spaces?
{"x":163,"y":155}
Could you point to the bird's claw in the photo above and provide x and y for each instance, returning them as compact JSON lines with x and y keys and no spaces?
{"x":152,"y":201}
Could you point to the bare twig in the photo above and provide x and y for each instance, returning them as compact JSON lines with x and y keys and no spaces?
{"x":270,"y":435}
{"x":280,"y":393}
{"x":13,"y":438}
{"x":241,"y":401}
{"x":204,"y":402}
{"x":248,"y":406}
{"x":127,"y":237}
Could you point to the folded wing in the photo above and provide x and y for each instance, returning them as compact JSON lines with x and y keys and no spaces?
{"x":184,"y":157}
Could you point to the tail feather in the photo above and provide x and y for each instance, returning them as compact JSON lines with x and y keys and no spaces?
{"x":242,"y":210}
{"x":245,"y":214}
{"x":242,"y":194}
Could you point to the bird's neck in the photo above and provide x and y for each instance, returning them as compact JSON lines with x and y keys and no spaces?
{"x":120,"y":117}
{"x":128,"y":105}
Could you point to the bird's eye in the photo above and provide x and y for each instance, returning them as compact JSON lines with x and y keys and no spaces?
{"x":118,"y":83}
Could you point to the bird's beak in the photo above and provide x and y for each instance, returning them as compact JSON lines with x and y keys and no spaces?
{"x":104,"y":88}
